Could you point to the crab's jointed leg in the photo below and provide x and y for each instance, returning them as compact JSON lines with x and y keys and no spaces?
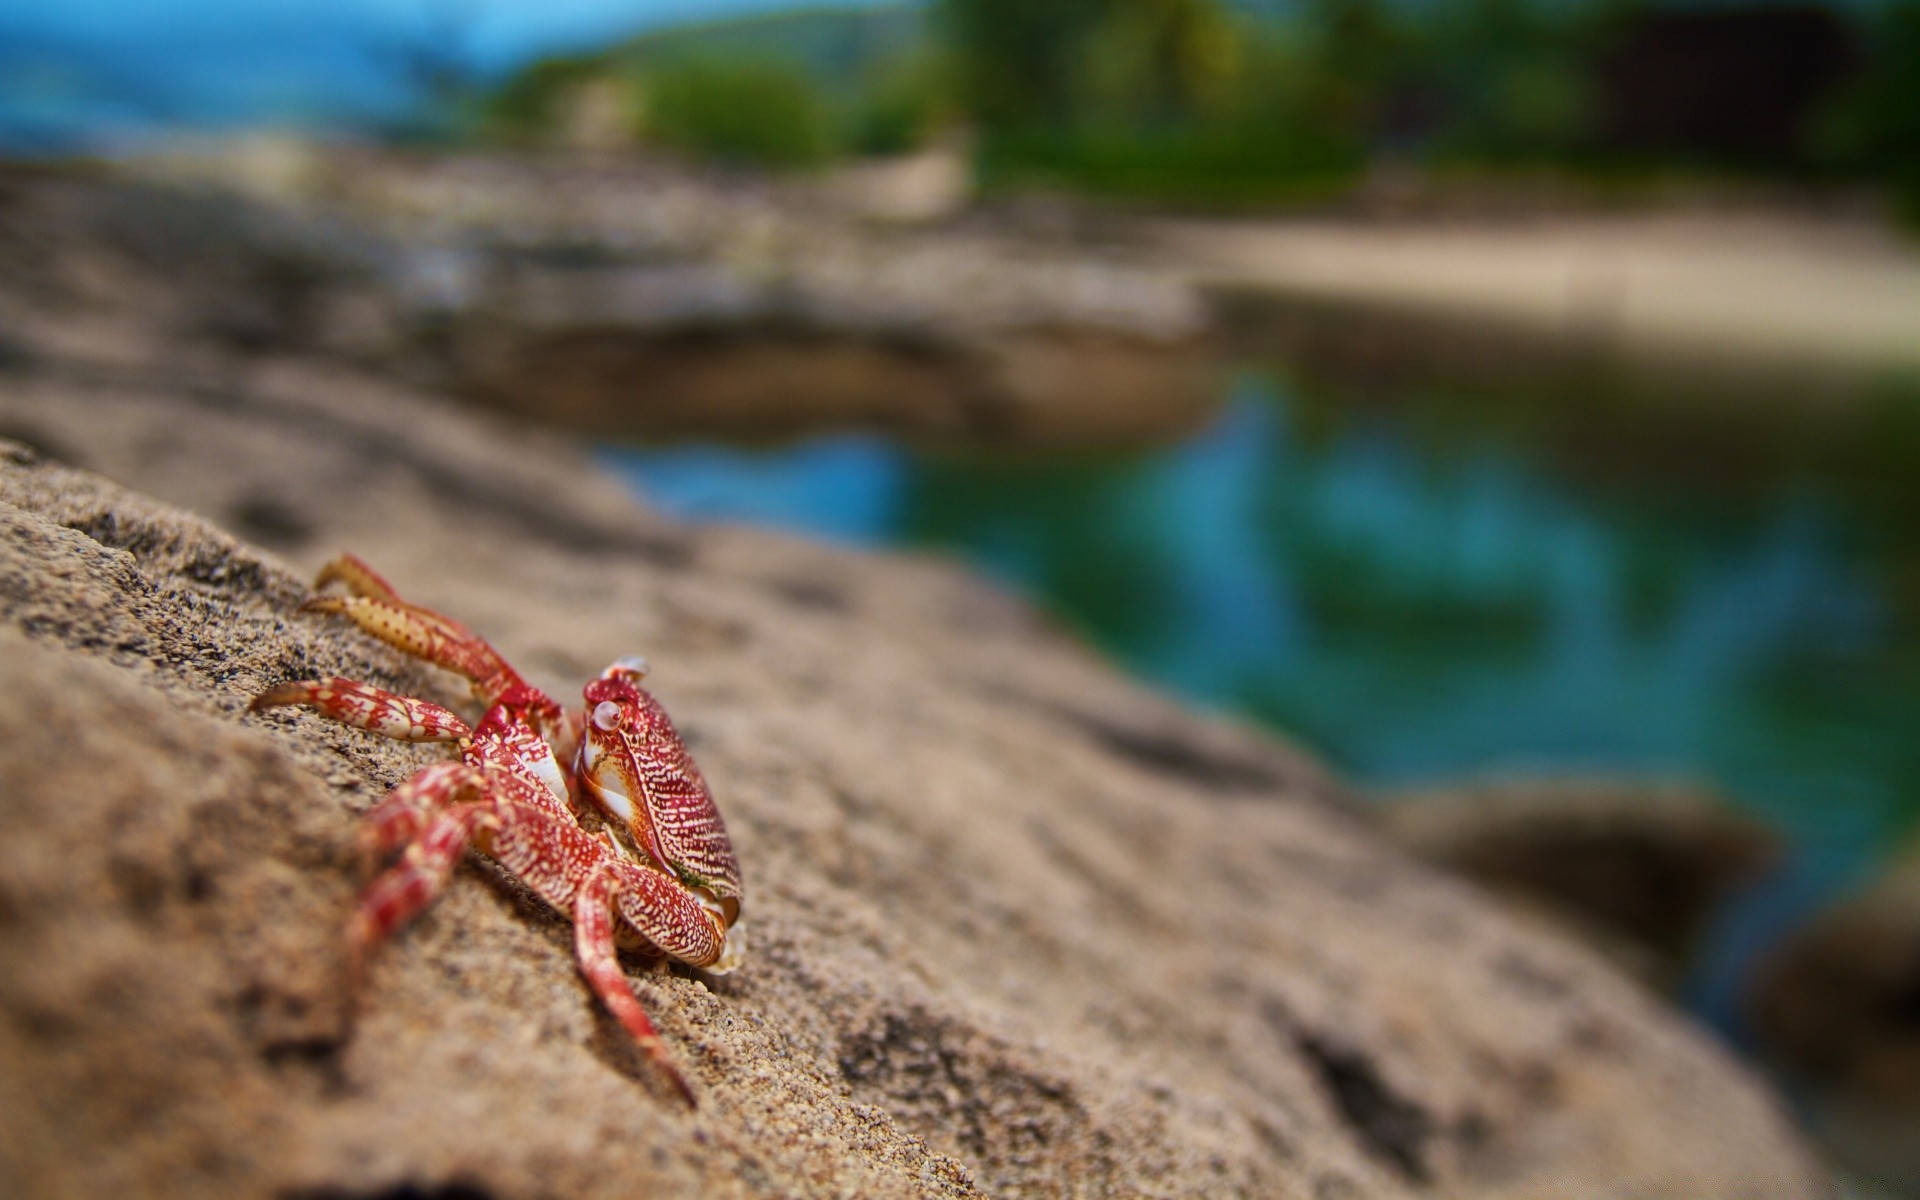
{"x":408,"y":809}
{"x":556,"y":858}
{"x":573,"y":872}
{"x":560,"y":861}
{"x":412,"y":629}
{"x":549,"y":854}
{"x":365,"y":706}
{"x":544,"y":850}
{"x":426,"y":634}
{"x":360,"y":579}
{"x":593,"y":946}
{"x":407,"y":887}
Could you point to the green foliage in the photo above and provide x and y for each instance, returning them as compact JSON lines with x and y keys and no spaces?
{"x":1179,"y":100}
{"x":1271,"y":128}
{"x":1015,"y":59}
{"x":1221,"y":166}
{"x":1154,"y":61}
{"x":901,"y":102}
{"x":1517,"y":77}
{"x":876,"y":85}
{"x":1875,"y":127}
{"x":1209,"y":101}
{"x":833,"y":45}
{"x":766,"y":113}
{"x":1023,"y":64}
{"x":784,"y":90}
{"x":529,"y":105}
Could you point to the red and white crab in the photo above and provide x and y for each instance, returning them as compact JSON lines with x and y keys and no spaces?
{"x":599,"y":811}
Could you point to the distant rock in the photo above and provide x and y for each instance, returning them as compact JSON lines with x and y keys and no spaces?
{"x":1637,"y":867}
{"x":932,"y":183}
{"x":1838,"y":1007}
{"x":634,"y":299}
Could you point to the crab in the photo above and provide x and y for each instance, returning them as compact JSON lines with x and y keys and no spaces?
{"x":601,"y":812}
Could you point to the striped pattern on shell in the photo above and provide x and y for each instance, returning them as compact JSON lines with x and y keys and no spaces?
{"x":685,"y":818}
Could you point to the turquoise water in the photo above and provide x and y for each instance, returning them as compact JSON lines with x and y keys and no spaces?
{"x":1424,"y":600}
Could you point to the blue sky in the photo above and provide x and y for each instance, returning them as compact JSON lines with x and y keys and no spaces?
{"x":79,"y":72}
{"x":499,"y":31}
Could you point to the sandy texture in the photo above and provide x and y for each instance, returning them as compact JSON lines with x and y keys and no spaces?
{"x":1713,"y":292}
{"x":1020,"y":928}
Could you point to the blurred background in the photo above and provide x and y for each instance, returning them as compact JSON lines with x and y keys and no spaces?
{"x":1517,"y":402}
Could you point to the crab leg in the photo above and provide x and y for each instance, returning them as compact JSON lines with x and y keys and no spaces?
{"x":593,"y":945}
{"x":557,"y":859}
{"x":409,"y":808}
{"x":426,"y":634}
{"x":544,"y":850}
{"x":413,"y":629}
{"x":361,"y":579}
{"x":374,"y":606}
{"x":365,"y":706}
{"x":397,"y":896}
{"x":571,"y":871}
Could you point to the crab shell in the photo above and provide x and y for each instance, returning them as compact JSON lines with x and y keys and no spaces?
{"x":641,"y":777}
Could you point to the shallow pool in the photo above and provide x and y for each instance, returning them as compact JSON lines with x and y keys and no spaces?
{"x":1425,"y":599}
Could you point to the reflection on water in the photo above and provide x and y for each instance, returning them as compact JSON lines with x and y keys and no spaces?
{"x":1424,"y":609}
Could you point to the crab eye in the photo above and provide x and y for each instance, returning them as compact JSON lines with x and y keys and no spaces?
{"x":633,"y":664}
{"x":606,"y":716}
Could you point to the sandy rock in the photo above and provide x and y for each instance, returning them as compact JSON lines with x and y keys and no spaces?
{"x":993,"y":952}
{"x":1637,"y":867}
{"x":1019,"y":927}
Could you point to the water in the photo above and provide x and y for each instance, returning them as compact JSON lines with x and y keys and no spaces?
{"x":1425,"y":600}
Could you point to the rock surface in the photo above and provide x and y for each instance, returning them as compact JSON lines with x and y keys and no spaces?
{"x":1020,"y":928}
